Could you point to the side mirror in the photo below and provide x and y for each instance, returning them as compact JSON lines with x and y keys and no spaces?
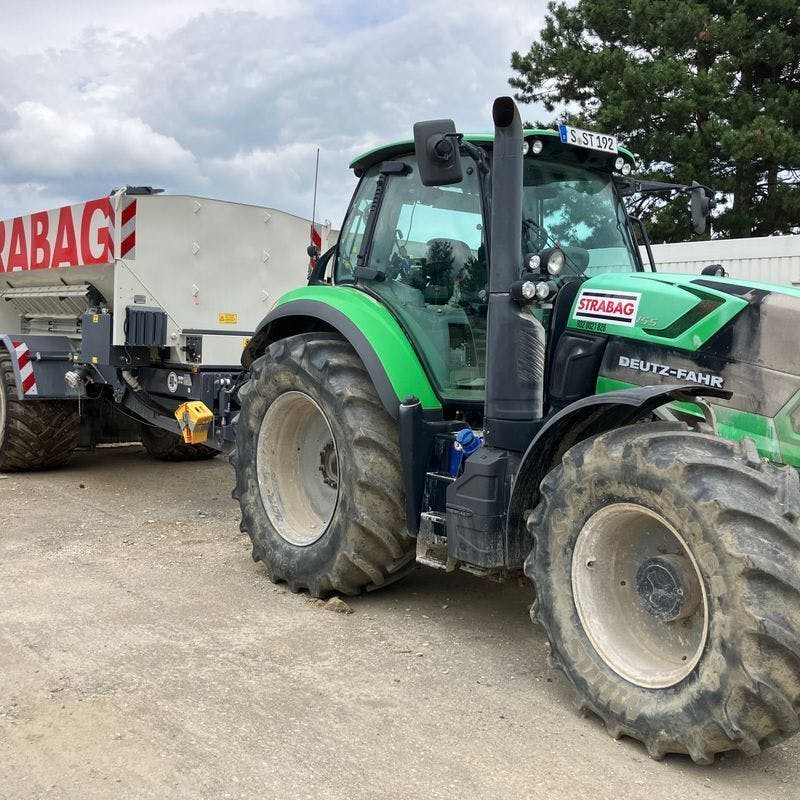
{"x":436,"y":148}
{"x":714,"y":270}
{"x":701,"y":206}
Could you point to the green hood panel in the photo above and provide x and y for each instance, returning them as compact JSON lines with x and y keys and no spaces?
{"x":668,"y":310}
{"x":379,"y":328}
{"x":775,"y":439}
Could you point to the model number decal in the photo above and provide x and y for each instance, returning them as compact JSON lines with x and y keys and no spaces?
{"x":599,"y":305}
{"x":689,"y":375}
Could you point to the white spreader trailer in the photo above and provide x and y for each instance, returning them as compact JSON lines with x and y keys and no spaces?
{"x":119,"y":312}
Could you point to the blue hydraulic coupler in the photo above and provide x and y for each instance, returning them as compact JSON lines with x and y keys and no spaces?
{"x":463,"y":447}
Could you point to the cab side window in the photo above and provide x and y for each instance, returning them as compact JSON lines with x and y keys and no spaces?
{"x":429,"y":259}
{"x":353,"y":228}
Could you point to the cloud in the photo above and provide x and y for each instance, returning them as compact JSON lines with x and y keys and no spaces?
{"x":232,"y":99}
{"x":45,"y":143}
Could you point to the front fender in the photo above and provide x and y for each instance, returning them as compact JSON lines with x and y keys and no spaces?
{"x":581,"y":420}
{"x":374,"y":334}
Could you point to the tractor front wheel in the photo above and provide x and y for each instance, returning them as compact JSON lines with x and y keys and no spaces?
{"x":667,"y":574}
{"x":317,"y":470}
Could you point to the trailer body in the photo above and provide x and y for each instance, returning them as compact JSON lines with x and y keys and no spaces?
{"x":142,"y":300}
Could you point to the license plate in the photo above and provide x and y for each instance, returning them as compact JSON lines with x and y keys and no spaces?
{"x":588,"y":139}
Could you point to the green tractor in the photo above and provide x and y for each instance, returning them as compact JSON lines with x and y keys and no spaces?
{"x":483,"y":374}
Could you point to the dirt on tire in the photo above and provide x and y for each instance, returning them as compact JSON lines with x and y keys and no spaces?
{"x":366,"y":543}
{"x":34,"y":434}
{"x":739,"y":516}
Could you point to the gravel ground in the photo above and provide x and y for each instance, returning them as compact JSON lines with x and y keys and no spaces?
{"x":144,"y":655}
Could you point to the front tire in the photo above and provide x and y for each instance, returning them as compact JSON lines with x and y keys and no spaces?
{"x":317,"y":470}
{"x":667,"y":574}
{"x":34,"y":434}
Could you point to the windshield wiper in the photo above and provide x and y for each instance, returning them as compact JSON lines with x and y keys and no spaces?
{"x":532,"y":224}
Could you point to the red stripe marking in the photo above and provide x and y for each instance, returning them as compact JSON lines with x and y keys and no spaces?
{"x":28,"y":383}
{"x":128,"y":244}
{"x":128,"y":213}
{"x":15,"y":345}
{"x":24,"y":359}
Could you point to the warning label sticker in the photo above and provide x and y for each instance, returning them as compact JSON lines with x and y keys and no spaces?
{"x":600,"y":305}
{"x":228,"y":319}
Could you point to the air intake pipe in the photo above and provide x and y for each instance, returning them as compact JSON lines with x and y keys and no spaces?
{"x":515,"y":345}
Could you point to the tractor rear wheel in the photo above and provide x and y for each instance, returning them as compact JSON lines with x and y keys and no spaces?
{"x":165,"y":446}
{"x":667,"y":574}
{"x":34,"y":434}
{"x":317,"y":470}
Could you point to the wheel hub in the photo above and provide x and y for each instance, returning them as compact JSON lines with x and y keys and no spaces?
{"x":329,"y":466}
{"x":666,"y":588}
{"x":639,"y":595}
{"x":295,"y":445}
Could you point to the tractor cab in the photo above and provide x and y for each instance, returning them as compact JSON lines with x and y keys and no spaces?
{"x":424,"y":253}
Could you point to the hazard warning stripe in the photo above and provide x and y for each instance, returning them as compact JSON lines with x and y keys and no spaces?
{"x":128,"y":230}
{"x":128,"y":213}
{"x":26,"y":376}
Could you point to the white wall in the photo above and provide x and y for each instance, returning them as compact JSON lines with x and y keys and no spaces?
{"x":770,"y":259}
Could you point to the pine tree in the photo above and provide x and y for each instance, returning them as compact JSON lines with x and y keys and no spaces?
{"x":700,"y":90}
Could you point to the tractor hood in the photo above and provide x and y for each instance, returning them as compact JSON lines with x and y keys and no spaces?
{"x":716,"y":332}
{"x":751,"y":322}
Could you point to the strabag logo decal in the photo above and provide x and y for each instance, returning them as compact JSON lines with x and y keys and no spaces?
{"x":599,"y":305}
{"x":688,"y":375}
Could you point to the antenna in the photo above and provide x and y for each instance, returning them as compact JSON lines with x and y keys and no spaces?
{"x":314,"y":206}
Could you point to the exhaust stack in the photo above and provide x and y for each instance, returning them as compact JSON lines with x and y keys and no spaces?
{"x":515,"y":338}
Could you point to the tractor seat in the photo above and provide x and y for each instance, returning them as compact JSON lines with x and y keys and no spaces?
{"x":446,"y":261}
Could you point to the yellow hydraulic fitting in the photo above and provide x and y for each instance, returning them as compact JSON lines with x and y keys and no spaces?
{"x":195,"y":419}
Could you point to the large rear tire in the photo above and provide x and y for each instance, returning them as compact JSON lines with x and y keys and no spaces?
{"x":667,"y":574}
{"x":317,"y":470}
{"x":34,"y":434}
{"x":165,"y":446}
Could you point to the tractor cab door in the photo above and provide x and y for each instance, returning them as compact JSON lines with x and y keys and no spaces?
{"x":428,"y":259}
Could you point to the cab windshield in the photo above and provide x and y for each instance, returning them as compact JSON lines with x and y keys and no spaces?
{"x":428,"y":254}
{"x":579,"y":210}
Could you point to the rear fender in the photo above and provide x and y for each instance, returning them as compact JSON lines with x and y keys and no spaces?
{"x":39,"y":364}
{"x":374,"y":334}
{"x":582,"y":420}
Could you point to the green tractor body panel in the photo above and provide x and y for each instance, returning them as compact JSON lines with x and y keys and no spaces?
{"x":371,"y":329}
{"x":726,"y":334}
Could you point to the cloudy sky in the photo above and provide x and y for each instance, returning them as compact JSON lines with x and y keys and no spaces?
{"x":231,"y":98}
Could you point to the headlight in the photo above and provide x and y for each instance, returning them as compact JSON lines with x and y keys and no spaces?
{"x":532,"y":262}
{"x":543,"y":290}
{"x":553,"y":260}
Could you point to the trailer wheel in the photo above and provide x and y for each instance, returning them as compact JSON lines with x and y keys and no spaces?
{"x":317,"y":470}
{"x":667,"y":574}
{"x":34,"y":434}
{"x":165,"y":446}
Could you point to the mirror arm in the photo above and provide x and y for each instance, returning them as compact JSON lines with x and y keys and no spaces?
{"x":477,"y":154}
{"x":646,"y":240}
{"x":630,"y":186}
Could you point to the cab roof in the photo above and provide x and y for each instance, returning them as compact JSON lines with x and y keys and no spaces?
{"x":552,"y":139}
